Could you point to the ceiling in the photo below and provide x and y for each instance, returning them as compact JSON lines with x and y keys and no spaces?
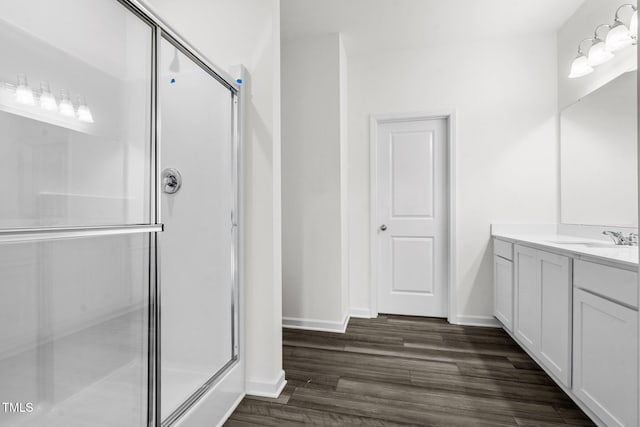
{"x":369,"y":25}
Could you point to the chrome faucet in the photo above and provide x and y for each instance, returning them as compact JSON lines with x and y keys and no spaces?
{"x":622,"y":240}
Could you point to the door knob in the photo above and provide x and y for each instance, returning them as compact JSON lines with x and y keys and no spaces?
{"x":383,"y":227}
{"x":171,"y":180}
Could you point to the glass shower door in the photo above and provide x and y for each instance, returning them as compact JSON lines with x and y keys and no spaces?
{"x":197,"y":246}
{"x":76,"y":231}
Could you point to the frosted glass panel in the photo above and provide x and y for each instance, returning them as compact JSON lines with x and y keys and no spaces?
{"x":74,"y":113}
{"x":74,"y":336}
{"x":197,"y":242}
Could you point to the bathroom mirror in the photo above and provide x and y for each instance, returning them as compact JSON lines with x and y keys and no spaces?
{"x":598,"y":156}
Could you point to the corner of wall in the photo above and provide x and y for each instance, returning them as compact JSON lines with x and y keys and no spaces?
{"x":344,"y":175}
{"x":266,"y":388}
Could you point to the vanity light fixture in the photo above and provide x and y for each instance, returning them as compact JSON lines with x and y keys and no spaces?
{"x":47,"y":100}
{"x":621,"y":36}
{"x":618,"y":37}
{"x":598,"y":52}
{"x":84,"y":113}
{"x":24,"y":94}
{"x":580,"y":66}
{"x":66,"y":107}
{"x":42,"y":105}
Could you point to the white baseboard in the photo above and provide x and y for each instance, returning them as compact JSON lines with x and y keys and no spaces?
{"x":316,"y":325}
{"x":267,"y":388}
{"x":363,"y":313}
{"x":487,"y":321}
{"x":231,"y":409}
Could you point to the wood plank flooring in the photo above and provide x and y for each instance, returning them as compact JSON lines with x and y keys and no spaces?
{"x":398,"y":370}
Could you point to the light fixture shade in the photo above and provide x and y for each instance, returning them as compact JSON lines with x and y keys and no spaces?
{"x":633,"y":25}
{"x":84,"y":114}
{"x":66,"y":107}
{"x":24,"y":94}
{"x":619,"y":37}
{"x":47,"y":100}
{"x":580,"y":67}
{"x":598,"y":53}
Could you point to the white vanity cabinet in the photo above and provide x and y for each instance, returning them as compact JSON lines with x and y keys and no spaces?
{"x":542,"y":309}
{"x":605,"y":342}
{"x":503,"y":282}
{"x":575,"y":311}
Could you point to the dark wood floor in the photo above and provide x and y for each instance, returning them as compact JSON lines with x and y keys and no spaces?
{"x":397,"y":370}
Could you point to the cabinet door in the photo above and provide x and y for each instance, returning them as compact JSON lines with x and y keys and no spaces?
{"x":503,"y":291}
{"x":527,"y":306}
{"x":605,"y":357}
{"x":555,"y":315}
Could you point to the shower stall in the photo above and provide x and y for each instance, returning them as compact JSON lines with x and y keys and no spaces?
{"x":119,"y":221}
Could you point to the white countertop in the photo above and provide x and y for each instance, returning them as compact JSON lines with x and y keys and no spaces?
{"x":581,"y":247}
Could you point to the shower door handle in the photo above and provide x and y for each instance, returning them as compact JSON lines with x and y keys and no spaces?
{"x":171,"y":181}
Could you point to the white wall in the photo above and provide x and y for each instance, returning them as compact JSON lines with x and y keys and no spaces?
{"x":504,"y":91}
{"x":247,"y":32}
{"x":582,"y":25}
{"x":313,"y":192}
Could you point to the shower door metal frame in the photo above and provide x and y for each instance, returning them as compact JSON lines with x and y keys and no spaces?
{"x":162,"y":30}
{"x":233,"y":99}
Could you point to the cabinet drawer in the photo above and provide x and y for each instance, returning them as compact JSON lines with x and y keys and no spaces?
{"x":503,"y":249}
{"x":610,"y":282}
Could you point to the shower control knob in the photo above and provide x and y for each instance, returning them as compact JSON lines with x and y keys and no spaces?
{"x":383,"y":227}
{"x":171,"y":181}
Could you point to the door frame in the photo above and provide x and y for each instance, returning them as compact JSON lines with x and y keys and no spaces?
{"x":375,"y":121}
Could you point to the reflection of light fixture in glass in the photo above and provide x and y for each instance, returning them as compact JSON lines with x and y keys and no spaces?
{"x":598,"y":53}
{"x":84,"y":113}
{"x":47,"y":100}
{"x":580,"y":66}
{"x":24,"y":94}
{"x":66,"y":107}
{"x":175,"y":63}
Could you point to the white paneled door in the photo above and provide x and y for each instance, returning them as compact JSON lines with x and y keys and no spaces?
{"x":412,"y":226}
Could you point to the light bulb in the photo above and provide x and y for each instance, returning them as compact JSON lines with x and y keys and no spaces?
{"x":618,"y":37}
{"x":84,"y":113}
{"x":580,"y":67}
{"x":633,"y":25}
{"x":66,"y":107}
{"x":598,"y":53}
{"x":24,"y":94}
{"x":47,"y":100}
